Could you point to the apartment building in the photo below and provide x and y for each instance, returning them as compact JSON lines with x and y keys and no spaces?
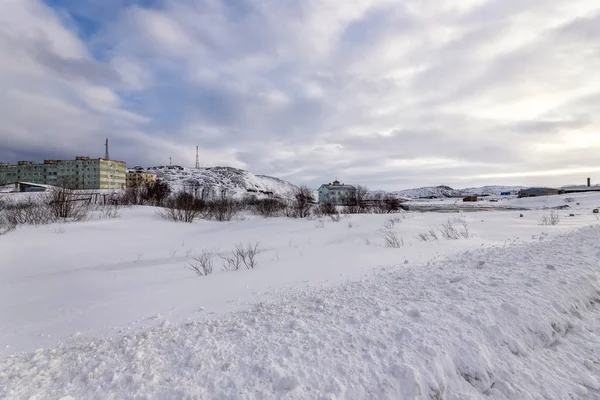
{"x":137,"y":178}
{"x":81,"y":173}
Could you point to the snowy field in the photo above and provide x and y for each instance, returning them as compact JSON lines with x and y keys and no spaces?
{"x":107,"y":308}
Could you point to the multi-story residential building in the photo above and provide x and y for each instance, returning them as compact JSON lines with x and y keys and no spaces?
{"x":136,"y":178}
{"x":81,"y":173}
{"x":335,"y":192}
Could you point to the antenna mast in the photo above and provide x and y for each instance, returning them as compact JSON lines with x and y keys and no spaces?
{"x":106,"y":153}
{"x":197,"y":159}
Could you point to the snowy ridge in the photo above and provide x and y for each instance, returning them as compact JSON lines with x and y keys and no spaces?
{"x":233,"y":181}
{"x":447,"y":191}
{"x":517,"y":322}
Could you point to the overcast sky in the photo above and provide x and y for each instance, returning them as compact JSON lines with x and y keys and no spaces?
{"x":391,"y":94}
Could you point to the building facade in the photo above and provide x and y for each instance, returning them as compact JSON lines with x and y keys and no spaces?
{"x":140,"y":178}
{"x":81,"y":173}
{"x":335,"y":192}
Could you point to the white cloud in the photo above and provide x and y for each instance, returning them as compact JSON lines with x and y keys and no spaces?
{"x":384,"y":93}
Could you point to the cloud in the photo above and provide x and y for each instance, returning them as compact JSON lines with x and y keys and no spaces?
{"x":389,"y":94}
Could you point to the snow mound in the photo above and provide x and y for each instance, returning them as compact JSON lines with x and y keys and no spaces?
{"x":233,"y":181}
{"x":509,"y":328}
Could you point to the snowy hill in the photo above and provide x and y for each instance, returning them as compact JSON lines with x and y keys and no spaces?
{"x":447,"y":191}
{"x":233,"y":181}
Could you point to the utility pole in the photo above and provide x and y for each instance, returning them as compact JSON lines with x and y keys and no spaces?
{"x":106,"y":156}
{"x":197,"y":159}
{"x":170,"y":161}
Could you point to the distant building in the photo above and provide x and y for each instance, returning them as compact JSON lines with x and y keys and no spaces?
{"x":470,"y":198}
{"x":334,"y":192}
{"x":538,"y":191}
{"x":138,"y":178}
{"x":81,"y":173}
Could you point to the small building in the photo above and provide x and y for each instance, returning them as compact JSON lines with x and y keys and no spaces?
{"x":334,"y":192}
{"x":29,"y":187}
{"x":470,"y":198}
{"x":137,"y":178}
{"x":538,"y":191}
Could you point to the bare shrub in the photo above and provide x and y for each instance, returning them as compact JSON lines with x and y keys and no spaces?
{"x":302,"y":203}
{"x":569,"y":200}
{"x":350,"y":224}
{"x":335,"y":217}
{"x":327,"y":208}
{"x":156,"y":193}
{"x":320,"y":224}
{"x":392,"y":221}
{"x":67,"y":203}
{"x":28,"y":211}
{"x":224,"y":209}
{"x":391,"y":239}
{"x":241,"y":256}
{"x":550,"y":219}
{"x":385,"y":204}
{"x":110,"y":211}
{"x":202,"y":264}
{"x":182,"y":207}
{"x":269,"y":207}
{"x":354,"y":200}
{"x":428,"y":236}
{"x":454,"y":229}
{"x":5,"y":227}
{"x":367,"y":241}
{"x":248,"y":254}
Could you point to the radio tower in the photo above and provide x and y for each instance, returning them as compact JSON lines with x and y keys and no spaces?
{"x":106,"y":153}
{"x":197,"y":159}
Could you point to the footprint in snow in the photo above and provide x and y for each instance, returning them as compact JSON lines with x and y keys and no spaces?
{"x":287,"y":383}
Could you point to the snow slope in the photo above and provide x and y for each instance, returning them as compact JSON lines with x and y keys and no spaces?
{"x":516,"y":322}
{"x":234,"y":181}
{"x":446,"y":191}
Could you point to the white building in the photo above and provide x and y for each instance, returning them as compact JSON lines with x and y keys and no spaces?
{"x":334,"y":192}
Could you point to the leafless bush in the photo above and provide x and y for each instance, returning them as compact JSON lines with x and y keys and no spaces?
{"x":367,"y":241}
{"x":428,"y":236}
{"x":224,"y":209}
{"x":320,"y":224}
{"x":269,"y":207}
{"x":354,"y":200}
{"x":202,"y":264}
{"x":326,"y":208}
{"x":109,"y":211}
{"x":391,"y":239}
{"x":302,"y":203}
{"x":67,"y":203}
{"x":241,"y":256}
{"x":350,"y":224}
{"x":335,"y":217}
{"x":248,"y":254}
{"x":550,"y":219}
{"x":392,"y":221}
{"x":5,"y":227}
{"x":183,"y":207}
{"x":28,"y":211}
{"x":569,"y":200}
{"x":454,"y":229}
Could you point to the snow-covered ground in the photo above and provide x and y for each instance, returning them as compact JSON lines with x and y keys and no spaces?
{"x":107,"y":308}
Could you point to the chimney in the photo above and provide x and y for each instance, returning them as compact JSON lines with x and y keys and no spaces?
{"x":589,"y":182}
